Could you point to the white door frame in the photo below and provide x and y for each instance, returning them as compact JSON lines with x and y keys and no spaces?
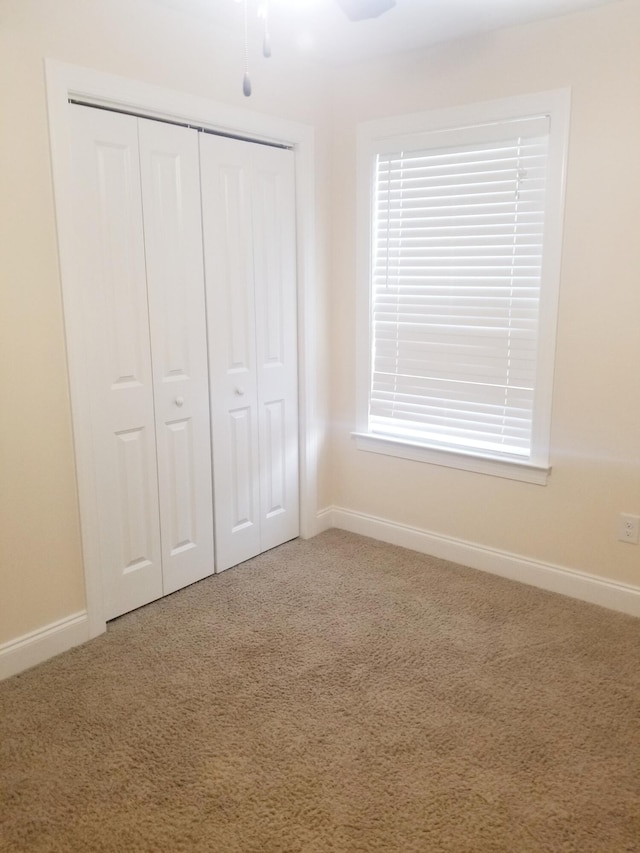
{"x":66,"y":81}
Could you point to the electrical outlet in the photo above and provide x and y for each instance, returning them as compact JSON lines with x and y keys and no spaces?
{"x":628,"y":528}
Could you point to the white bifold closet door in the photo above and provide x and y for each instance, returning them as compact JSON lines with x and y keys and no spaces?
{"x":139,"y":268}
{"x":248,"y":205}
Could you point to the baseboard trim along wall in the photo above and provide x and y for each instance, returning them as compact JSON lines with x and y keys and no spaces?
{"x":38,"y":646}
{"x":575,"y":584}
{"x":42,"y":644}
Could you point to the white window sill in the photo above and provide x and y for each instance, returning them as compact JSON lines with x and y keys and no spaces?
{"x":480,"y":464}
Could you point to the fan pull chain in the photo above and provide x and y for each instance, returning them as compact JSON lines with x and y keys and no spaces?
{"x":266,"y":44}
{"x":246,"y":80}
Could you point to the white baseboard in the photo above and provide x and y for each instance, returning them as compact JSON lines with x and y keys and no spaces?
{"x":42,"y":644}
{"x":38,"y":646}
{"x":325,"y":519}
{"x":595,"y":590}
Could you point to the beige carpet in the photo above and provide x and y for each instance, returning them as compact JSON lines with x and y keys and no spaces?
{"x":333,"y":695}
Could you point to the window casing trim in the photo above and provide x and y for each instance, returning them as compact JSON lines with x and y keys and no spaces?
{"x":480,"y":463}
{"x":380,"y":136}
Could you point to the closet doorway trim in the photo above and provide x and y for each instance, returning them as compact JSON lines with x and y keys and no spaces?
{"x":69,"y":82}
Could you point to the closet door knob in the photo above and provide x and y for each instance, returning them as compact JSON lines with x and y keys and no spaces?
{"x":179,"y":401}
{"x":240,"y":392}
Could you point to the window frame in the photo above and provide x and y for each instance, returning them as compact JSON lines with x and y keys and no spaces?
{"x":379,"y":136}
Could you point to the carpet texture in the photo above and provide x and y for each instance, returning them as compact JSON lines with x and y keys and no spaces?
{"x":333,"y":695}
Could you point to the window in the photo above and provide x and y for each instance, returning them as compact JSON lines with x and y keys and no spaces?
{"x":460,"y":248}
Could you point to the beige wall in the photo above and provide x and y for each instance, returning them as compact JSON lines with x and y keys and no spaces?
{"x":41,"y":578}
{"x":596,"y":416}
{"x":596,"y":425}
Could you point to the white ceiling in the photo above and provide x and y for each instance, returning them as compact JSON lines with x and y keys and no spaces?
{"x":321,"y":29}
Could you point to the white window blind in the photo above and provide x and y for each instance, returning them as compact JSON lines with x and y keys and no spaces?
{"x":457,"y":247}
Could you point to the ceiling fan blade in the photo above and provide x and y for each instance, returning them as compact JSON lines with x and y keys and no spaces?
{"x":360,"y":10}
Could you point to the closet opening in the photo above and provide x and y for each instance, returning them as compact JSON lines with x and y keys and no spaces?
{"x":70,"y":88}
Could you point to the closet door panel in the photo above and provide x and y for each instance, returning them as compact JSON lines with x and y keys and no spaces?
{"x":273,"y":205}
{"x":110,"y":273}
{"x":226,"y":216}
{"x":175,"y":281}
